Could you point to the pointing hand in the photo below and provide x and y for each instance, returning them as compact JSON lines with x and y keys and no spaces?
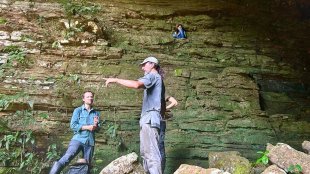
{"x":109,"y":80}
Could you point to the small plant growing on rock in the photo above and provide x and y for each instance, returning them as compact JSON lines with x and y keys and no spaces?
{"x":40,"y":20}
{"x":15,"y":54}
{"x":178,"y":72}
{"x":56,"y":45}
{"x":112,"y":130}
{"x":14,"y":150}
{"x":79,"y":7}
{"x":52,"y":153}
{"x":6,"y":100}
{"x":2,"y":20}
{"x":264,"y":158}
{"x":72,"y":31}
{"x":18,"y":154}
{"x":294,"y":169}
{"x":114,"y":134}
{"x":26,"y":38}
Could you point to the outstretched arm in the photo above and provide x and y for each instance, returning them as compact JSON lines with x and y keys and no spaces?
{"x":173,"y":102}
{"x":128,"y":83}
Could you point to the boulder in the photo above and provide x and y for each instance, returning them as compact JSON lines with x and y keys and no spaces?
{"x":285,"y":157}
{"x":16,"y":35}
{"x":4,"y":35}
{"x":306,"y":146}
{"x":127,"y":164}
{"x":273,"y":169}
{"x":191,"y":169}
{"x":230,"y":161}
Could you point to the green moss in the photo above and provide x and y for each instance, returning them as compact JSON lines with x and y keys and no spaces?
{"x":3,"y":127}
{"x":275,"y":96}
{"x":2,"y":20}
{"x":241,"y":169}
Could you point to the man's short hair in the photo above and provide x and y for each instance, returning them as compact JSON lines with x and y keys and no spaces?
{"x":86,"y":92}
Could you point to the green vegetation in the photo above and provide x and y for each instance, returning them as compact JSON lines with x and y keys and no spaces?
{"x":19,"y":56}
{"x":6,"y":100}
{"x":241,"y":169}
{"x":26,"y":38}
{"x":264,"y":158}
{"x":295,"y":169}
{"x":52,"y":153}
{"x":115,"y":138}
{"x":40,"y":20}
{"x":74,"y":7}
{"x":15,"y":55}
{"x":44,"y":115}
{"x":72,"y":31}
{"x":2,"y":20}
{"x":2,"y":73}
{"x":66,"y":82}
{"x":24,"y":116}
{"x":18,"y":149}
{"x":11,"y":48}
{"x":77,"y":10}
{"x":178,"y":72}
{"x":18,"y":154}
{"x":56,"y":45}
{"x":113,"y":131}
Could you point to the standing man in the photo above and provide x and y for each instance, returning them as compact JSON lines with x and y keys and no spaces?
{"x":84,"y":123}
{"x":152,"y":107}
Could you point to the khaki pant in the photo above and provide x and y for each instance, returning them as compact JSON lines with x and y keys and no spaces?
{"x":149,"y":149}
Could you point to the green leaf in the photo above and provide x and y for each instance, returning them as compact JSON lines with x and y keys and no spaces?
{"x":21,"y":165}
{"x":27,"y":139}
{"x":290,"y":168}
{"x":56,"y":44}
{"x":298,"y":167}
{"x":44,"y":115}
{"x":2,"y":20}
{"x":7,"y":145}
{"x":265,"y":160}
{"x":178,"y":72}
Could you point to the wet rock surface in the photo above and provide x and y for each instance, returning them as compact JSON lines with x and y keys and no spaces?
{"x":274,"y":169}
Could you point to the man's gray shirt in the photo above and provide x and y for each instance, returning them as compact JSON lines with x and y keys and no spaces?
{"x":153,"y":92}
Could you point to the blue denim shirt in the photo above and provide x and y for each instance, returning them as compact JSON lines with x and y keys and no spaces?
{"x":180,"y":35}
{"x":82,"y":117}
{"x":154,"y":93}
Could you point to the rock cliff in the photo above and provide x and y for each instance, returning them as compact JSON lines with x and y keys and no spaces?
{"x":241,"y":77}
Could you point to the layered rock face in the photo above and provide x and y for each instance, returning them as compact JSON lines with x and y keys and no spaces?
{"x":241,"y":76}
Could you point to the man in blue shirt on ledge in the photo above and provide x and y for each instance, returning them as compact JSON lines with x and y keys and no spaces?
{"x":84,"y":123}
{"x":179,"y":32}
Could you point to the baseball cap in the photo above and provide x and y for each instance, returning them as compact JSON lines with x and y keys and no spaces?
{"x":150,"y":59}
